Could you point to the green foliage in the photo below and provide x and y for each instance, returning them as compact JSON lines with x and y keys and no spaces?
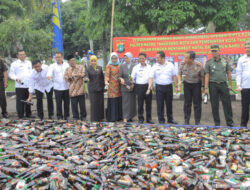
{"x":18,"y":33}
{"x":245,"y":21}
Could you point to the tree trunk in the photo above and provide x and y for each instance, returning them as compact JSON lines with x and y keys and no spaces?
{"x":104,"y":48}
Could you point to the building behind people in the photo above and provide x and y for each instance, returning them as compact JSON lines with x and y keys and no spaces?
{"x":193,"y":82}
{"x":127,"y":89}
{"x":163,"y":74}
{"x":96,"y":90}
{"x":114,"y":105}
{"x":217,"y":71}
{"x":3,"y":85}
{"x":20,"y":71}
{"x":40,"y":84}
{"x":61,"y":86}
{"x":74,"y":75}
{"x":243,"y":83}
{"x":140,"y":75}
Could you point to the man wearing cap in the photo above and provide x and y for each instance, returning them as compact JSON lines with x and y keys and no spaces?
{"x":74,"y":76}
{"x":217,"y":70}
{"x":243,"y":83}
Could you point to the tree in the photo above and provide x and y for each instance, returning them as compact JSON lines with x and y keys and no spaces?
{"x":15,"y":34}
{"x":168,"y":17}
{"x":9,"y":8}
{"x":245,"y":21}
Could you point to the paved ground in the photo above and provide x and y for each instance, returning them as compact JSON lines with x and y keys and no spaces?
{"x":207,"y":118}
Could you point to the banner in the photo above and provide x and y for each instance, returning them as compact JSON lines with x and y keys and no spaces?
{"x":175,"y":46}
{"x":57,"y":27}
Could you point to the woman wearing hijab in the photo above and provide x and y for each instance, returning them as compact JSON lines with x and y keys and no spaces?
{"x":127,"y":89}
{"x":96,"y":90}
{"x":114,"y":109}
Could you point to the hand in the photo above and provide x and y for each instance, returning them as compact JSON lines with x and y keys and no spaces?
{"x":179,"y":88}
{"x":238,"y":88}
{"x":148,"y":91}
{"x":202,"y":89}
{"x":19,"y":81}
{"x":106,"y":83}
{"x":48,"y":77}
{"x":122,"y":81}
{"x":5,"y":84}
{"x":230,"y":87}
{"x":28,"y":100}
{"x":206,"y":91}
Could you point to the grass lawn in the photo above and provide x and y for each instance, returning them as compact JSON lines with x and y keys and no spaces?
{"x":11,"y":87}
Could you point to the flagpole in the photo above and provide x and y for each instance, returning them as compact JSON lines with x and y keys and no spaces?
{"x":112,"y":25}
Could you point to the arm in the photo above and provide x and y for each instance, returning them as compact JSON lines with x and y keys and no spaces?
{"x":5,"y":74}
{"x":179,"y":78}
{"x":239,"y":75}
{"x":31,"y":88}
{"x":229,"y":76}
{"x":67,"y":75}
{"x":120,"y":75}
{"x":175,"y":79}
{"x":12,"y":73}
{"x":206,"y":83}
{"x":107,"y":75}
{"x":50,"y":72}
{"x":82,"y":73}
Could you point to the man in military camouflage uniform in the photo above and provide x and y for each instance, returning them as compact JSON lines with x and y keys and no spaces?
{"x":3,"y":85}
{"x":217,"y":71}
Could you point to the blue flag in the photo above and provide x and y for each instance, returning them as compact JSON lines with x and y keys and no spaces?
{"x":57,"y":27}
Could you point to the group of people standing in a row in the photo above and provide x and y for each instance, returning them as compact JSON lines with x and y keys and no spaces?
{"x":128,"y":86}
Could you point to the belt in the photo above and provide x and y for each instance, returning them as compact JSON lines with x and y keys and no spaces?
{"x":218,"y":82}
{"x":163,"y":85}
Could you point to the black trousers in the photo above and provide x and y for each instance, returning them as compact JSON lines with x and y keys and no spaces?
{"x":141,"y":90}
{"x":164,"y":95}
{"x":62,"y":96}
{"x":21,"y":107}
{"x":245,"y":103}
{"x":39,"y":103}
{"x":192,"y":94}
{"x":219,"y":91}
{"x":75,"y":101}
{"x":3,"y":103}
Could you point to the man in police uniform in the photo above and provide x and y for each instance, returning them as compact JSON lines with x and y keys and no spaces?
{"x":243,"y":83}
{"x":163,"y":74}
{"x":217,"y":70}
{"x":3,"y":85}
{"x":193,"y":81}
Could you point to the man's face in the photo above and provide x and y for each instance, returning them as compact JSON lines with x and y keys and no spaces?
{"x":247,"y":49}
{"x":76,"y":53}
{"x":159,"y":59}
{"x":21,"y":55}
{"x":142,"y":59}
{"x":72,"y":62}
{"x":186,"y":58}
{"x":59,"y":58}
{"x":215,"y":53}
{"x":38,"y":67}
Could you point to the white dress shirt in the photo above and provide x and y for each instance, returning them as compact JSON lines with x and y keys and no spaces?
{"x":163,"y":74}
{"x":56,"y":72}
{"x":140,"y":74}
{"x":22,"y":71}
{"x":243,"y":72}
{"x":39,"y":81}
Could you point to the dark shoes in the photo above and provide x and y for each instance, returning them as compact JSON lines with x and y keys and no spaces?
{"x":186,"y":122}
{"x":140,"y":121}
{"x":173,"y":122}
{"x":161,"y":122}
{"x":5,"y":115}
{"x":31,"y":116}
{"x":150,"y":121}
{"x":197,"y":123}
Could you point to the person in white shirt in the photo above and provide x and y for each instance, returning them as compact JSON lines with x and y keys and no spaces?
{"x":163,"y":74}
{"x":61,"y":87}
{"x":140,"y":76}
{"x":41,"y":85}
{"x":243,"y":83}
{"x":20,"y":72}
